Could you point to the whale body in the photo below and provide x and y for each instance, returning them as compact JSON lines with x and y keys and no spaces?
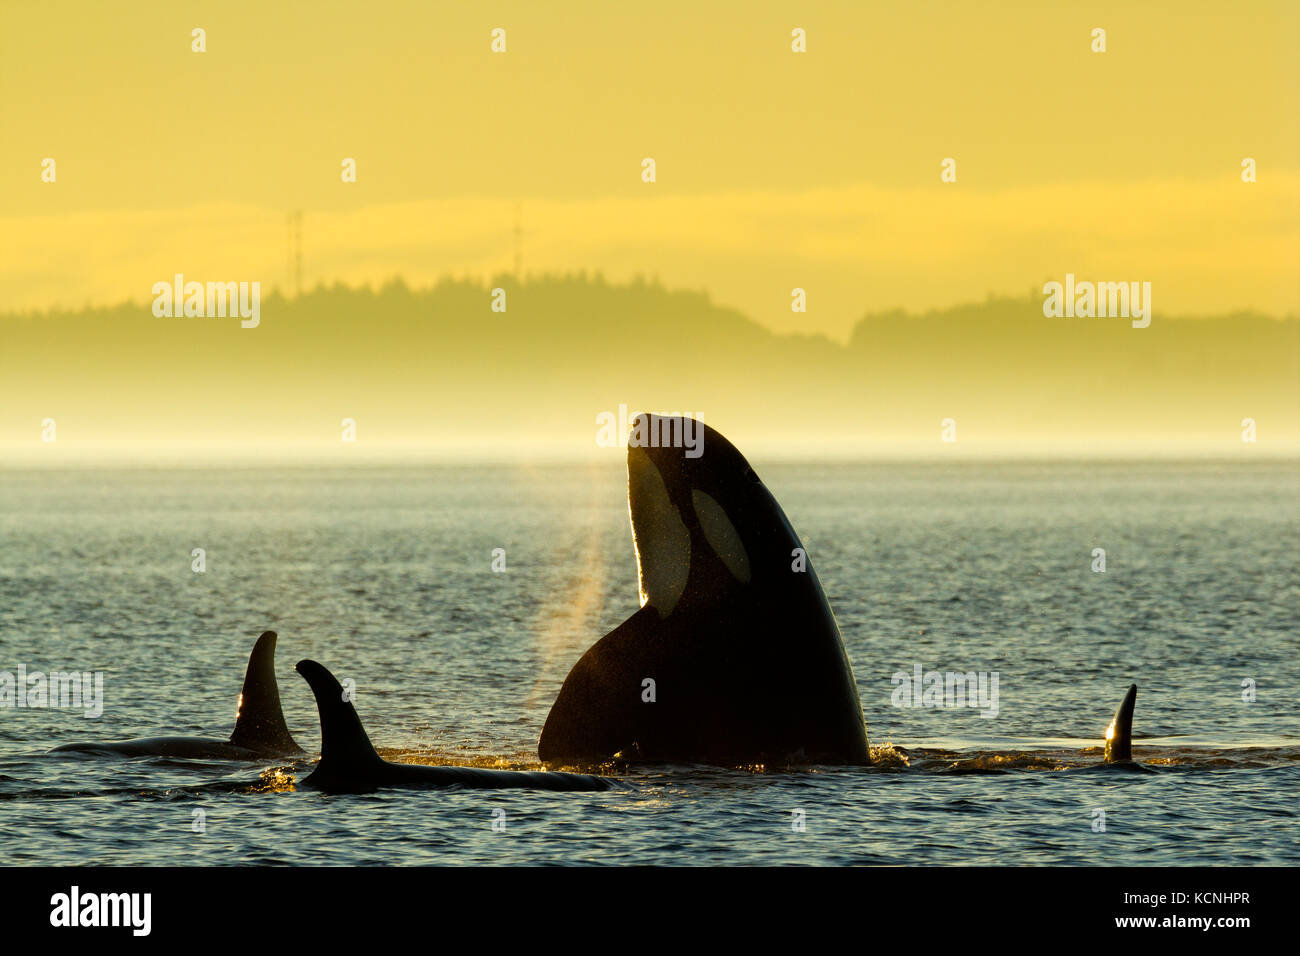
{"x":260,"y":730}
{"x":349,"y":763}
{"x":735,"y":657}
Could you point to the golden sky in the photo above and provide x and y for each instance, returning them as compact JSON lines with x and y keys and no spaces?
{"x":774,"y":170}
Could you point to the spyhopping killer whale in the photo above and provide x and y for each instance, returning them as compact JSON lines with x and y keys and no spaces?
{"x":260,"y":730}
{"x":349,"y":763}
{"x":734,"y":657}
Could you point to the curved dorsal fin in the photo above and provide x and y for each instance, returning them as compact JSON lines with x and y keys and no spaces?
{"x":1119,"y":735}
{"x":344,"y":746}
{"x":260,"y":723}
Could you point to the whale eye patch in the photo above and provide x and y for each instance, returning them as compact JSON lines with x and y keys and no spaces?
{"x":722,"y":535}
{"x":662,"y":543}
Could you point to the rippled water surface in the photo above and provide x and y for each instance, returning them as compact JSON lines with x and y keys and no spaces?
{"x":384,"y":574}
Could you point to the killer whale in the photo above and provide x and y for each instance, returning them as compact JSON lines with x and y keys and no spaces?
{"x":260,"y":730}
{"x":1119,"y":734}
{"x":349,"y":763}
{"x":1118,"y":742}
{"x":735,"y":657}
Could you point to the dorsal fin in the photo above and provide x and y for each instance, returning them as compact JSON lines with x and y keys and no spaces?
{"x":344,"y":746}
{"x":1119,"y":735}
{"x":260,"y":724}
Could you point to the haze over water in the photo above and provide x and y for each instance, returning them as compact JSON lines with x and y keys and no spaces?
{"x":383,"y":573}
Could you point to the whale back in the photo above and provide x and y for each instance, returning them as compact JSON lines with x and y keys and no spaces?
{"x":346,"y":753}
{"x":259,"y":725}
{"x":349,"y":763}
{"x":1119,"y":735}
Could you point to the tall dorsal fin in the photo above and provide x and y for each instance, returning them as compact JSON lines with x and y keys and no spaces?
{"x":1119,"y":735}
{"x":344,"y":746}
{"x":260,"y":723}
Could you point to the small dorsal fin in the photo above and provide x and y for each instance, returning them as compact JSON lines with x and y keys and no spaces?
{"x":1119,"y":735}
{"x":344,"y":747}
{"x":260,"y":724}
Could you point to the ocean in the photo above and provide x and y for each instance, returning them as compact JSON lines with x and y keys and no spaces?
{"x":384,"y":573}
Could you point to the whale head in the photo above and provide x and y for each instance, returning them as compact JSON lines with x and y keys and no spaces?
{"x":703,"y":523}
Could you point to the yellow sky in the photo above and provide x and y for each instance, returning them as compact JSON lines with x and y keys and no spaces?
{"x":775,"y":169}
